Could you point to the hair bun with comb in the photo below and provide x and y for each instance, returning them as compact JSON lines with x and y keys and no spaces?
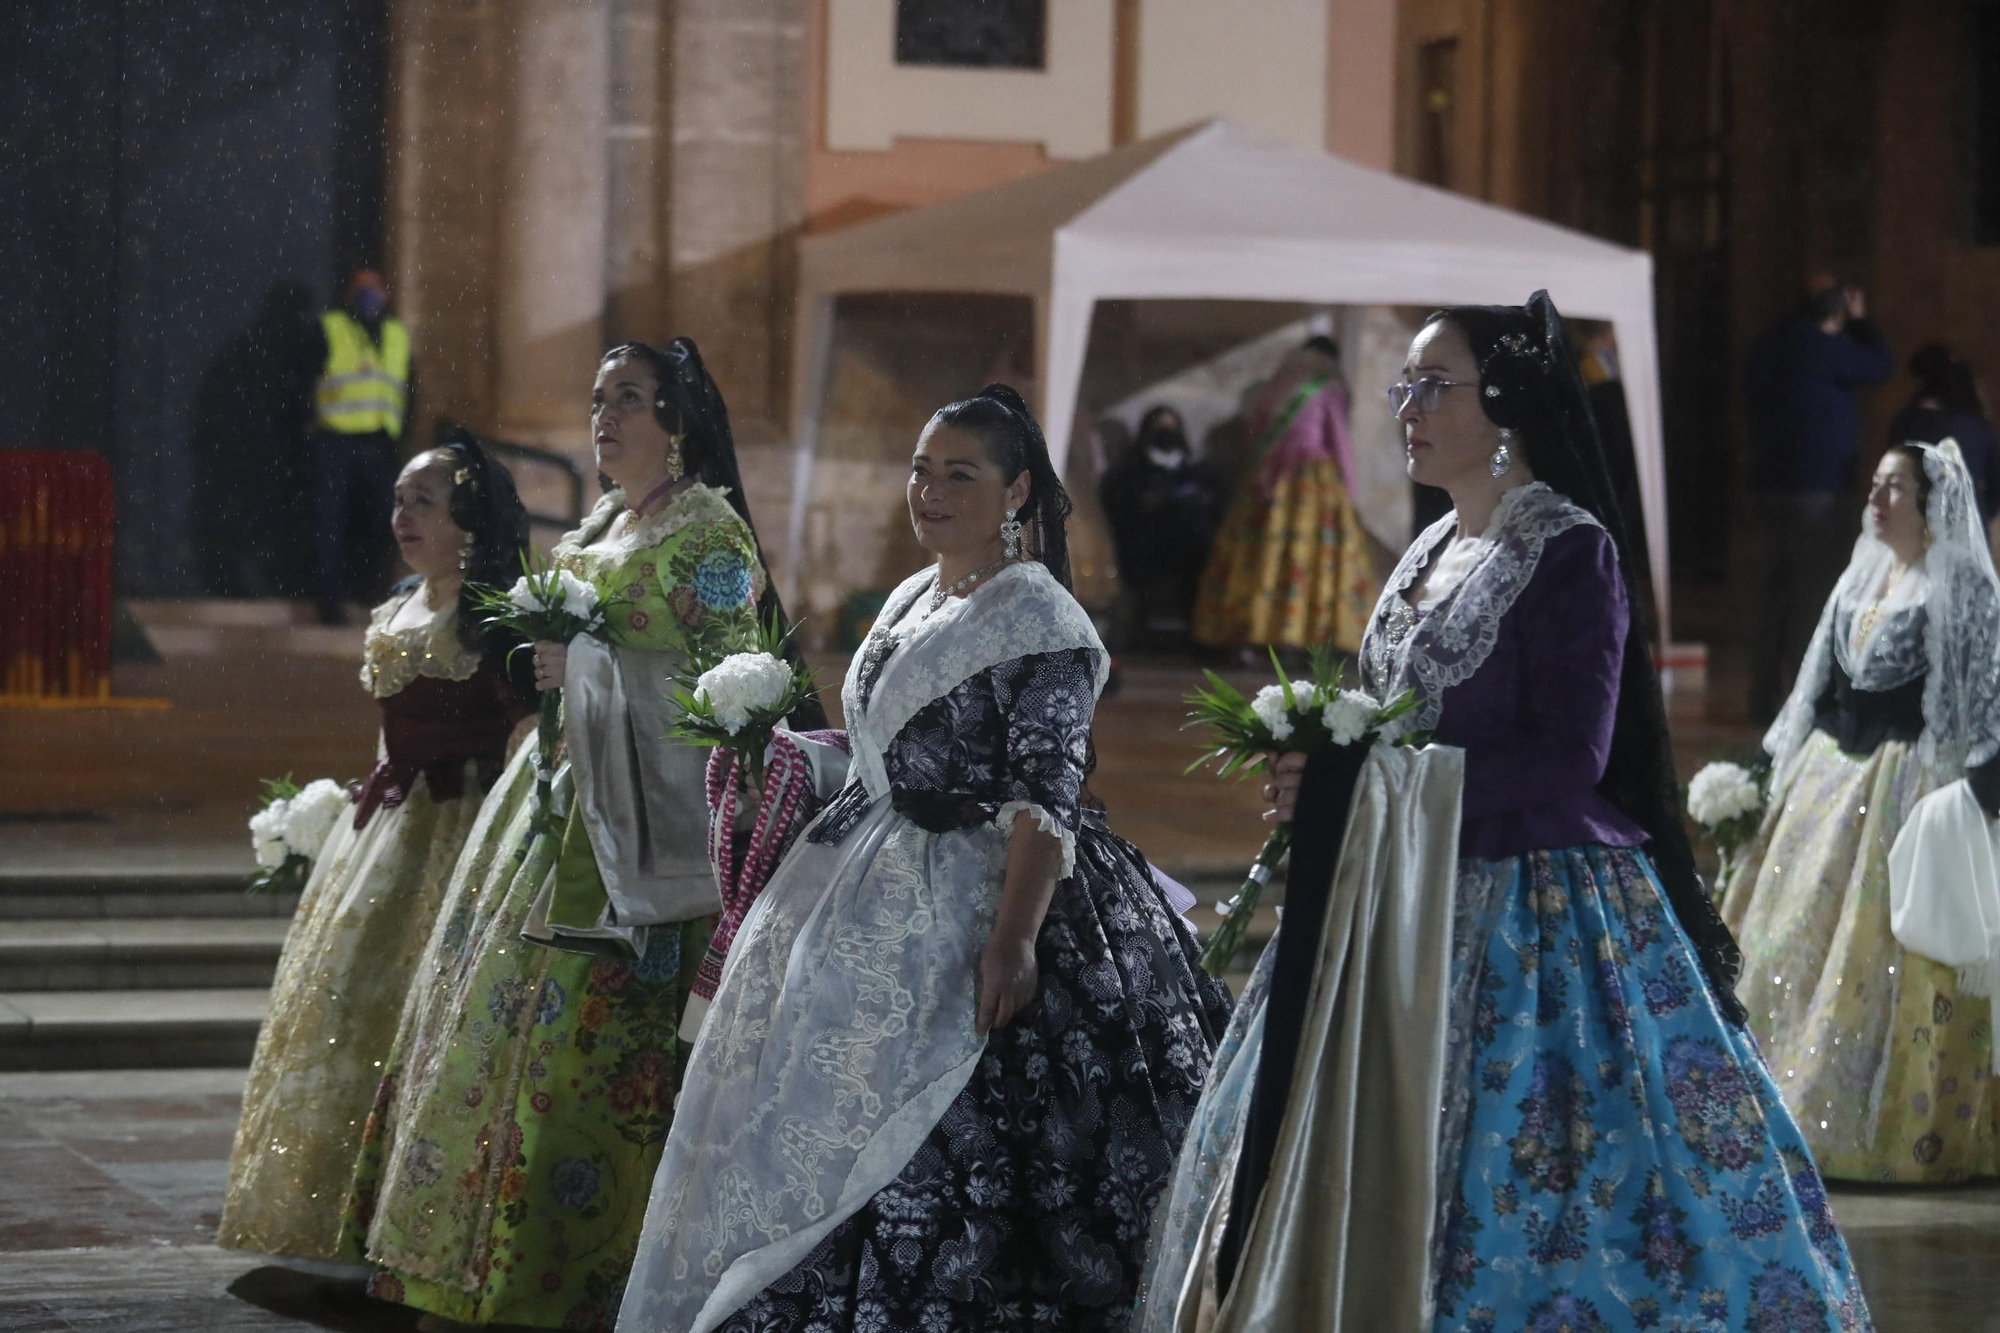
{"x":1006,"y":395}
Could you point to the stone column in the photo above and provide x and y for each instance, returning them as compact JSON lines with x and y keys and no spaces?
{"x":738,"y":194}
{"x":549,"y":326}
{"x":635,"y":296}
{"x":447,"y":154}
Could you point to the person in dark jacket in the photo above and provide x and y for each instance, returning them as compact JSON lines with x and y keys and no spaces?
{"x":1164,"y":504}
{"x":1946,"y":406}
{"x":245,"y":429}
{"x":1800,"y":382}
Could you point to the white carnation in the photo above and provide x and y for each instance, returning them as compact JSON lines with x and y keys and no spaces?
{"x":1722,"y":792}
{"x":742,"y":683}
{"x":267,"y":835}
{"x":312,"y":815}
{"x":524,"y":597}
{"x":578,"y":597}
{"x":1348,"y":715}
{"x":1269,"y":706}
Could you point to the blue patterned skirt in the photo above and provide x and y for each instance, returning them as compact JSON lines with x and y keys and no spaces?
{"x":1617,"y":1156}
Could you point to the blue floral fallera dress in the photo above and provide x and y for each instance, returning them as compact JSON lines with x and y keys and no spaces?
{"x":1614,"y":1152}
{"x":1627,"y":1162}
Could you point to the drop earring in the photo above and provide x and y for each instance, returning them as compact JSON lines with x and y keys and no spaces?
{"x":1503,"y":457}
{"x":465,"y":553}
{"x":1010,"y":533}
{"x":676,"y":466}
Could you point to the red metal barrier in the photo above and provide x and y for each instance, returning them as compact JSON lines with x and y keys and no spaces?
{"x":55,"y":575}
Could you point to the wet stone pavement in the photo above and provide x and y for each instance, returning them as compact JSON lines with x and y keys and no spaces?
{"x":110,"y":1190}
{"x":111,"y":1185}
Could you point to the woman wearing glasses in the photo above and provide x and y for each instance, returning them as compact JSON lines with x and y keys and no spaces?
{"x":1608,"y":1149}
{"x":1291,"y":565}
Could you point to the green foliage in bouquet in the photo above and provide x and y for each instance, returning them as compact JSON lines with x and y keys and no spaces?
{"x":736,"y":700}
{"x":1305,"y":716}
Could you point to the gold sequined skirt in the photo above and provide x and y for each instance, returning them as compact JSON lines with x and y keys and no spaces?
{"x":1292,"y":569}
{"x":1887,"y":1067}
{"x":353,"y":946}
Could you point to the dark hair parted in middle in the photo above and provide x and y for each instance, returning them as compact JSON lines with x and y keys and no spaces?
{"x":689,"y":404}
{"x":999,"y":418}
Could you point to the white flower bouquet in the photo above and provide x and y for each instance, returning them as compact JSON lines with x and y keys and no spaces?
{"x":1289,"y":717}
{"x":1727,"y":800}
{"x":552,"y":605}
{"x":737,"y":701}
{"x":289,"y":830}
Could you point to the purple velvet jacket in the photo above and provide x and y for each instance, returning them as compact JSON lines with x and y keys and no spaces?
{"x":1535,"y":718}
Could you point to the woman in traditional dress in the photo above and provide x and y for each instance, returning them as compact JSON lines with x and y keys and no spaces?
{"x":1291,"y":567}
{"x":507,"y":1162}
{"x":1611,"y":1152}
{"x":961,"y":1031}
{"x":448,"y":700}
{"x":1882,"y":1055}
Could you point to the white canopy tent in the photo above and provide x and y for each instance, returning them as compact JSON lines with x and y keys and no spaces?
{"x":1218,"y":212}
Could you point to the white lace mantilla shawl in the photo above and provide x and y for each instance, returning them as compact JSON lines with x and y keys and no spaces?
{"x":844,"y":1023}
{"x":699,"y":503}
{"x":1023,"y":611}
{"x":1950,"y":609}
{"x":1457,"y":635}
{"x":392,"y":658}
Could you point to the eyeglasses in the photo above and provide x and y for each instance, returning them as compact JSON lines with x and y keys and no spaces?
{"x":1426,"y":393}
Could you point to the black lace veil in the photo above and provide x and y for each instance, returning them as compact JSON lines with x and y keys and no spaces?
{"x":1529,"y":384}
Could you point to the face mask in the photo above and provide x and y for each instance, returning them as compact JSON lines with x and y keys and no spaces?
{"x":369,"y":303}
{"x":1165,"y":458}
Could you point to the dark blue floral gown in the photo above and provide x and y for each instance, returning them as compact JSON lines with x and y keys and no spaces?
{"x":1027,"y":1208}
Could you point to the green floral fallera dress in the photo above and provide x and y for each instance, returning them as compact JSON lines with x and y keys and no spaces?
{"x":506,"y":1165}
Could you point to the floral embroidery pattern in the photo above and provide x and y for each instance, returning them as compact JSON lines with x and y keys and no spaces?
{"x":1028,"y":1206}
{"x":504,"y":1174}
{"x":1626,"y":1163}
{"x":1716,"y":1109}
{"x":1556,"y":1138}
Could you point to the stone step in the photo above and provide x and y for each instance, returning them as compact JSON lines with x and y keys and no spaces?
{"x":266,"y":629}
{"x":115,"y":953}
{"x":129,"y":894}
{"x":132,"y":1029}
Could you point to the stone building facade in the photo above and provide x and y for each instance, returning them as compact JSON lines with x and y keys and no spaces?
{"x":565,"y":174}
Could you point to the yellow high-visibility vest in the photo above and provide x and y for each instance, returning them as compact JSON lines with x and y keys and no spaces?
{"x":363,"y":387}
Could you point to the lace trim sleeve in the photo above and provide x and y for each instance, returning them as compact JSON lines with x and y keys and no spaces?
{"x":1004,"y":821}
{"x":1048,"y":700}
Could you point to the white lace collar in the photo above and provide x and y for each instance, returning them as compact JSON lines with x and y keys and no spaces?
{"x":1459,"y":630}
{"x":700,"y":502}
{"x":391,"y":659}
{"x":1020,"y":612}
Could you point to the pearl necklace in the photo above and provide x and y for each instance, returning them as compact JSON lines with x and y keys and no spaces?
{"x":939,"y":596}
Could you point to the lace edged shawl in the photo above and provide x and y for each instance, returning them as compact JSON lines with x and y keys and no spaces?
{"x":392,"y":658}
{"x":699,"y":503}
{"x":1953,"y":612}
{"x":1454,"y":638}
{"x":902,"y":667}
